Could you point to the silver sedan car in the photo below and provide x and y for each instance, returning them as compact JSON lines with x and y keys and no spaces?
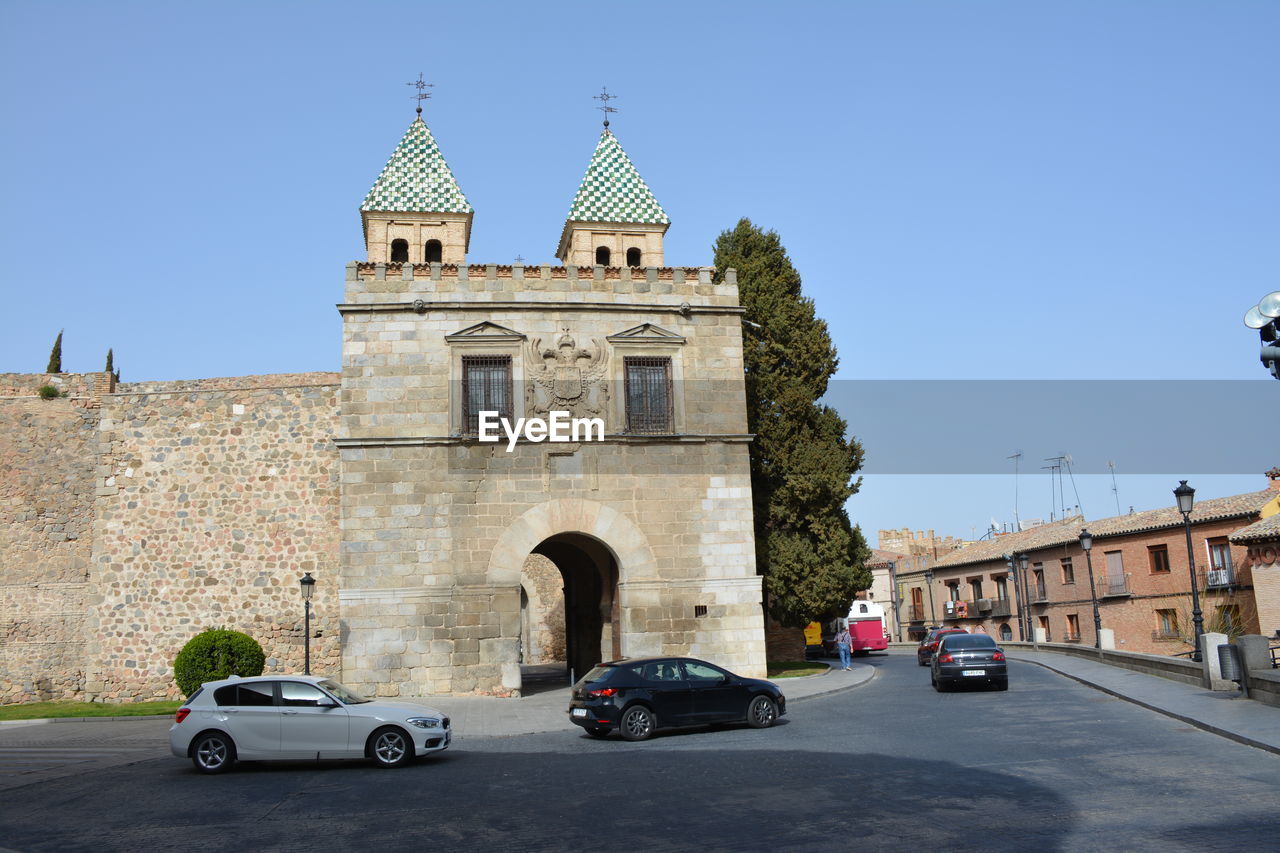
{"x":292,"y":717}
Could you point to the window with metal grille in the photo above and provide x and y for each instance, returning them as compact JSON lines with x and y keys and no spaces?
{"x":648,"y":392}
{"x":486,"y":387}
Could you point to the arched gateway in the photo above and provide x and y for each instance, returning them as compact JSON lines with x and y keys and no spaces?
{"x":453,"y":536}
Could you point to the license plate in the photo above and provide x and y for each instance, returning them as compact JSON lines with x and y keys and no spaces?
{"x":973,"y":672}
{"x":579,"y":712}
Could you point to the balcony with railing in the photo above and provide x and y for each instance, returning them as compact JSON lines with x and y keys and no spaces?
{"x":1115,"y":586}
{"x":1166,"y":634}
{"x":1070,"y":637}
{"x":1219,"y":576}
{"x":996,"y":608}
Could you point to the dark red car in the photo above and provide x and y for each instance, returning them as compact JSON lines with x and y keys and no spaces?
{"x":929,"y":645}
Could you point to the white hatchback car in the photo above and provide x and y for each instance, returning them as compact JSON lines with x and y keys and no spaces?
{"x":284,"y":717}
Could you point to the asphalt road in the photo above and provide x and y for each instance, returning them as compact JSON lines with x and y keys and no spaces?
{"x":1049,"y":765}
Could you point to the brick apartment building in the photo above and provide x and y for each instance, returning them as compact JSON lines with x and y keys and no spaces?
{"x":1140,"y":571}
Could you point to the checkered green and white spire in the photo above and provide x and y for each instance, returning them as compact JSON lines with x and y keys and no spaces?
{"x":613,"y":191}
{"x":417,"y":178}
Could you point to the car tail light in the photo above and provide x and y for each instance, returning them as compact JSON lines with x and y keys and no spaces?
{"x":998,"y":656}
{"x":945,"y":659}
{"x":181,"y":715}
{"x":604,"y":691}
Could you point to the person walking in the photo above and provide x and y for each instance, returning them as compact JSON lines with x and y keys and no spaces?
{"x":843,"y":642}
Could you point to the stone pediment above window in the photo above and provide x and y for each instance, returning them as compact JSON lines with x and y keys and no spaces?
{"x":485,"y":332}
{"x":646,"y":333}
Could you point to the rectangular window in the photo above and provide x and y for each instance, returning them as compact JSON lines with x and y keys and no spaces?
{"x":1158,"y":558}
{"x":1038,"y":592}
{"x":1044,"y":626}
{"x":953,"y":590}
{"x":486,"y":387}
{"x":1073,"y":627}
{"x":1002,"y":588}
{"x":1068,"y":571}
{"x":976,"y":585}
{"x":648,"y":392}
{"x":1166,"y":624}
{"x":1219,"y":554}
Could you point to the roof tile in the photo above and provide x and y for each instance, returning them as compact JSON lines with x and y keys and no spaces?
{"x":613,"y":191}
{"x":417,"y":178}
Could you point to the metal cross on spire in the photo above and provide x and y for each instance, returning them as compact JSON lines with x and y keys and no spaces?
{"x":422,"y":86}
{"x":604,"y":98}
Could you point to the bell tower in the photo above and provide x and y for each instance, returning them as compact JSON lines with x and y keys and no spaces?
{"x":614,"y":220}
{"x":416,"y":212}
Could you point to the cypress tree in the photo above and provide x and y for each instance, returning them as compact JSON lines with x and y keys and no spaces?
{"x":55,"y":356}
{"x":802,"y":466}
{"x":109,"y":367}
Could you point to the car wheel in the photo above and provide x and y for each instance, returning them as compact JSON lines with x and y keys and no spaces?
{"x":390,"y":747}
{"x":637,"y":723}
{"x":762,"y":712}
{"x":213,"y":752}
{"x":597,"y":731}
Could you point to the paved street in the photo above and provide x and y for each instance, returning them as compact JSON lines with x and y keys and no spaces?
{"x":1050,"y":765}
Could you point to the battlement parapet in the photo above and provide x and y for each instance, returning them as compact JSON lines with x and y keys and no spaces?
{"x":372,"y":283}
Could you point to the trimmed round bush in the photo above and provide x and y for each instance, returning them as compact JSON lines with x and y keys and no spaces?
{"x":215,"y":654}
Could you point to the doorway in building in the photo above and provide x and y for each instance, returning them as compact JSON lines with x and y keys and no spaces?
{"x":567,"y":630}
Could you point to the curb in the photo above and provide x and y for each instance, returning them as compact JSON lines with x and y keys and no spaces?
{"x":837,"y":689}
{"x":1200,"y":724}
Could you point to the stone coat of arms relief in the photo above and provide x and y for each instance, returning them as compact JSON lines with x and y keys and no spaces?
{"x":567,"y":378}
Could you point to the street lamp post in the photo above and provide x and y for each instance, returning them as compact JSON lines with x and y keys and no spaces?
{"x":928,"y":591}
{"x":1018,"y":597}
{"x":1186,"y":500}
{"x":1086,"y":545}
{"x":308,"y":584}
{"x":895,"y":598}
{"x":1022,"y":564}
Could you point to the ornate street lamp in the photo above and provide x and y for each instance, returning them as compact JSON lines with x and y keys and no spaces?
{"x":1022,"y":564}
{"x":1186,"y":500}
{"x":1017,"y":594}
{"x":928,"y":591}
{"x":308,"y":585}
{"x":1086,"y":545}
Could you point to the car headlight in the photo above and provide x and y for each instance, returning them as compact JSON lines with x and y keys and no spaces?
{"x":424,"y":722}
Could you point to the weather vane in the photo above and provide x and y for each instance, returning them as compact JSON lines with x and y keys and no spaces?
{"x":604,"y":98}
{"x":422,"y":86}
{"x":519,"y":259}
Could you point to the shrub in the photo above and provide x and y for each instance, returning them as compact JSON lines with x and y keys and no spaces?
{"x":215,"y":654}
{"x":48,"y":392}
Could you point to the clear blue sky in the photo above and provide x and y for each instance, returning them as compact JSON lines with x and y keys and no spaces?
{"x":977,"y":190}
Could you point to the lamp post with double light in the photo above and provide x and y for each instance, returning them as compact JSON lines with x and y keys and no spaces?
{"x":1186,"y":500}
{"x":1086,"y":545}
{"x":1018,"y":597}
{"x":308,"y":585}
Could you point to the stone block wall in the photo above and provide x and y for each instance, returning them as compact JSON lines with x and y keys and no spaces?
{"x":212,"y":499}
{"x":47,"y":469}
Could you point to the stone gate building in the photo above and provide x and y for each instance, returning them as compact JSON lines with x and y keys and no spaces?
{"x":133,"y":516}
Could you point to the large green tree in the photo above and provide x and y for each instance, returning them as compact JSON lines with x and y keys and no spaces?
{"x":55,"y":356}
{"x":803,"y":468}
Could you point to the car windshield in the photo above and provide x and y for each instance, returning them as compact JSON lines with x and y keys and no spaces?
{"x":967,"y":641}
{"x":343,"y":694}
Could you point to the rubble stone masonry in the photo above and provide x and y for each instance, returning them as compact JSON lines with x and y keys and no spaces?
{"x":134,"y":520}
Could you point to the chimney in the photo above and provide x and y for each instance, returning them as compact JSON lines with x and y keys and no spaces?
{"x":1274,"y":477}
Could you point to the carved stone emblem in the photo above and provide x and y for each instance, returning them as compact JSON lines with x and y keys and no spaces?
{"x":567,"y":378}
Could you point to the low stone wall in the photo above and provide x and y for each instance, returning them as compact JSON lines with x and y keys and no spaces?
{"x":1264,"y":687}
{"x":1176,"y":669}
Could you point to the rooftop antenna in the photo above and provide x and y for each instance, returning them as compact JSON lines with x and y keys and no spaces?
{"x":1053,"y":487}
{"x":1017,"y":454}
{"x":604,"y":98}
{"x":422,"y":86}
{"x":1067,"y":459}
{"x":1114,"y":491}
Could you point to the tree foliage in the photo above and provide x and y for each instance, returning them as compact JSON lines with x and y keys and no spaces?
{"x":215,"y":654}
{"x":802,"y":466}
{"x":110,"y":368}
{"x":55,"y":356}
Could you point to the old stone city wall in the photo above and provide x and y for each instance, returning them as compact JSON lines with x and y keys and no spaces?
{"x":47,"y":450}
{"x":134,"y":520}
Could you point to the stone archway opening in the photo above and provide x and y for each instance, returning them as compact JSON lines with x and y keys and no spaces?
{"x":569,"y":610}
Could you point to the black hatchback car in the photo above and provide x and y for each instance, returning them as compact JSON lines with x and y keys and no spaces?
{"x":969,"y":659}
{"x":641,"y":695}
